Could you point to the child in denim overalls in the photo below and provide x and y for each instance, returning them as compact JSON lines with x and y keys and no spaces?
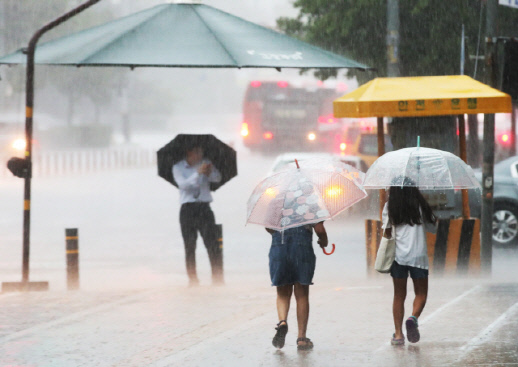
{"x":292,"y":265}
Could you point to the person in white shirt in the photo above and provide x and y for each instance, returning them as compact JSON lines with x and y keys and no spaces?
{"x":193,"y":176}
{"x":408,"y":216}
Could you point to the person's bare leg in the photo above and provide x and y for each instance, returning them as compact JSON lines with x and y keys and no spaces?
{"x":398,"y":306}
{"x":283,"y":306}
{"x":421,"y":294}
{"x":283,"y":301}
{"x":302,"y":297}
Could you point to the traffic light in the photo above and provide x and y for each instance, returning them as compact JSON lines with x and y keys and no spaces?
{"x":510,"y":72}
{"x":505,"y":139}
{"x":18,"y":166}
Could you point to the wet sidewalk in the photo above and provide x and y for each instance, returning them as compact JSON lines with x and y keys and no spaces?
{"x":465,"y":323}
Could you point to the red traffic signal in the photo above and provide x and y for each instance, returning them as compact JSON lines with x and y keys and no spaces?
{"x":504,"y":138}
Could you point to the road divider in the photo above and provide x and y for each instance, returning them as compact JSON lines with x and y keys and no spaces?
{"x":67,"y":162}
{"x":454,"y":249}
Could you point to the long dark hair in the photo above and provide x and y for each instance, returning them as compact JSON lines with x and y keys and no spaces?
{"x":404,"y":203}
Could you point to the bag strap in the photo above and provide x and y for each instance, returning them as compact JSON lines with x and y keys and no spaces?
{"x":387,"y":219}
{"x":385,"y":222}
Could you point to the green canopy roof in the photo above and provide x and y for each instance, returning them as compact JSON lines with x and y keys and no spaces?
{"x":182,"y":35}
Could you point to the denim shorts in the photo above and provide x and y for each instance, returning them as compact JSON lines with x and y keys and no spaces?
{"x":292,"y":259}
{"x":401,"y":271}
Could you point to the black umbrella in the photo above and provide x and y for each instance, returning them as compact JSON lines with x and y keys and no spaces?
{"x":220,"y":154}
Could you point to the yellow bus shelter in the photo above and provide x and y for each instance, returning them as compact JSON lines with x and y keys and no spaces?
{"x":421,"y":96}
{"x":418,"y":97}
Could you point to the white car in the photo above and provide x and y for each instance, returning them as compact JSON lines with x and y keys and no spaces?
{"x":284,"y":159}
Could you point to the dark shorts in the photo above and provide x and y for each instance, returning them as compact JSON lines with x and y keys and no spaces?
{"x":401,"y":271}
{"x":292,"y":259}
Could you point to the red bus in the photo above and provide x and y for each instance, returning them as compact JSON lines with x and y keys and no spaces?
{"x":278,"y":115}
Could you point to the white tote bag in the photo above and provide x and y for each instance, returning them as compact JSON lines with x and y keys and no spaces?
{"x":386,"y":253}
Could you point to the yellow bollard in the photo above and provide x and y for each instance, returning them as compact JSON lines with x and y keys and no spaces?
{"x":72,"y":252}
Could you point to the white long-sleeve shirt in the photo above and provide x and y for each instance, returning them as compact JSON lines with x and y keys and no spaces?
{"x":194,"y":187}
{"x":411,"y":248}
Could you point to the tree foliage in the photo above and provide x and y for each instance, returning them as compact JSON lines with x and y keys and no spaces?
{"x":430,"y":32}
{"x":22,"y":18}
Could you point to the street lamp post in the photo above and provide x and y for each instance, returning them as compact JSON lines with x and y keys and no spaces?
{"x":25,"y":285}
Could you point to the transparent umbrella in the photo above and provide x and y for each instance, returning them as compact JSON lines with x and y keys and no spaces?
{"x":310,"y":193}
{"x":333,"y":164}
{"x":425,"y":168}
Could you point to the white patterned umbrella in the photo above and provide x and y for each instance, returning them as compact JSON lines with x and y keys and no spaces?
{"x":318,"y":190}
{"x":425,"y":168}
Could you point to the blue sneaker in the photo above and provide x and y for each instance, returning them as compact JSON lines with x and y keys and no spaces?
{"x":412,"y":329}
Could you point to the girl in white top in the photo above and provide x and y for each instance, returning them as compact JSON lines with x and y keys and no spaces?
{"x":408,"y":216}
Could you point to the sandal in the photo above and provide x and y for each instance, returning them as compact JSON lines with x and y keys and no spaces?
{"x":307,"y":346}
{"x":395,"y":341}
{"x":280,"y":335}
{"x":412,"y":330}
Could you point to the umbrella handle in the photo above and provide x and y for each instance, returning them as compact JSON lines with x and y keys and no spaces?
{"x":329,"y":253}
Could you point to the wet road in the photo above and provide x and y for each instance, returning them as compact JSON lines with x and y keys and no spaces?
{"x":465,"y":323}
{"x":134,"y":308}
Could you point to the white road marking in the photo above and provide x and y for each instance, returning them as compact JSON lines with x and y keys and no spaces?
{"x":436,"y":312}
{"x":486,"y":334}
{"x":446,"y":305}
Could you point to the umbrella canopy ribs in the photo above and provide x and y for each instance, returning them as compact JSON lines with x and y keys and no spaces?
{"x":183,"y":35}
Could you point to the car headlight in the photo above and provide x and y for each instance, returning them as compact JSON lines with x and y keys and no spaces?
{"x":19,"y":144}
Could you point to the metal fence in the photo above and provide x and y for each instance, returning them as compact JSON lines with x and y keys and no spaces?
{"x":57,"y":163}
